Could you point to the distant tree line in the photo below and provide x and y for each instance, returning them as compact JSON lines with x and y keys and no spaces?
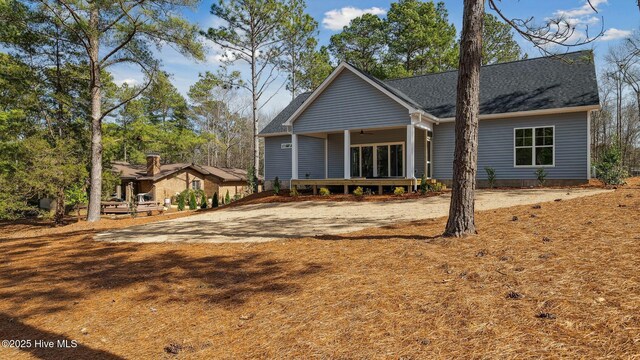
{"x":617,"y":126}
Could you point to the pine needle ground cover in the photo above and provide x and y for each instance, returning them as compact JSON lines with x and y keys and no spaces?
{"x":557,"y":280}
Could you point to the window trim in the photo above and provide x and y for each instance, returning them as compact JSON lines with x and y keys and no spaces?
{"x":375,"y":157}
{"x":533,"y":147}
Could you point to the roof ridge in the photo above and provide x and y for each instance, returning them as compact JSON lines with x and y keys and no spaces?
{"x":484,"y":66}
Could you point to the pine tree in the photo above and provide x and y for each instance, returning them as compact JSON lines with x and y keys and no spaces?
{"x":203,"y":201}
{"x":192,"y":201}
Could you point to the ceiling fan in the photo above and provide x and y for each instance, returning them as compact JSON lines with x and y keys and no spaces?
{"x":362,"y":132}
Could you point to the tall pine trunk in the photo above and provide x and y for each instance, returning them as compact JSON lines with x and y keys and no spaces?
{"x":256,"y":140}
{"x":95,"y":195}
{"x":461,"y":212}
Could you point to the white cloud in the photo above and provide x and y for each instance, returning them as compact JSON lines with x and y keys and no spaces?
{"x":128,"y":81}
{"x":586,"y":9}
{"x":336,"y":19}
{"x":216,"y":55}
{"x":584,"y":22}
{"x":614,"y":34}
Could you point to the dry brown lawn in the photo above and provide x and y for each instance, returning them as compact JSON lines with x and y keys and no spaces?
{"x":562,"y":280}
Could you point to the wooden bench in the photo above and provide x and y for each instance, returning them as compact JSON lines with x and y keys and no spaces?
{"x":115,"y":207}
{"x":149,"y":207}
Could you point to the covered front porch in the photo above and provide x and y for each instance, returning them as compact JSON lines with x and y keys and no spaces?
{"x":372,"y":157}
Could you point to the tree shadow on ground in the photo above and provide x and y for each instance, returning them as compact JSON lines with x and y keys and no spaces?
{"x":241,"y":230}
{"x":53,"y":273}
{"x":14,"y":329}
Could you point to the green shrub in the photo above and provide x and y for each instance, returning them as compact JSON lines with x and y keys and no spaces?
{"x":398,"y":191}
{"x":541,"y":175}
{"x":252,"y":180}
{"x":75,"y":196}
{"x":324,"y":191}
{"x":294,"y":192}
{"x":227,"y":198}
{"x":358,"y":192}
{"x":276,"y":186}
{"x":214,"y":201}
{"x":491,"y":176}
{"x":193,"y":204}
{"x":203,"y":201}
{"x":437,"y":187}
{"x":424,"y":187}
{"x":181,"y":201}
{"x":610,"y":169}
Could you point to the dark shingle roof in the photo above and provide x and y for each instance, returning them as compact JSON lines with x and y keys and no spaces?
{"x":533,"y":84}
{"x":139,"y":172}
{"x":558,"y":81}
{"x":275,"y":126}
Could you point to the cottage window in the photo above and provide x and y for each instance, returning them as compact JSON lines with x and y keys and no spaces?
{"x":195,"y":185}
{"x":534,"y":146}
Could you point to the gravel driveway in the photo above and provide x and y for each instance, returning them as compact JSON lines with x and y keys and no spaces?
{"x":265,"y":222}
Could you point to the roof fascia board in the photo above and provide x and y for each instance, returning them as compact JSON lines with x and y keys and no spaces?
{"x":531,"y":113}
{"x":273,"y":134}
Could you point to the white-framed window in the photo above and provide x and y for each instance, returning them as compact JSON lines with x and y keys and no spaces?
{"x":377,"y":160}
{"x":195,"y":185}
{"x":534,"y":146}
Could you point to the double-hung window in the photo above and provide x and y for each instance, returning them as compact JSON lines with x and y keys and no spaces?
{"x":534,"y":146}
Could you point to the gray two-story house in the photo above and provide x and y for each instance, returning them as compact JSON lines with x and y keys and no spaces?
{"x":355,"y":129}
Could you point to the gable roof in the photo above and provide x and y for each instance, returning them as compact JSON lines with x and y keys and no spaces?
{"x":139,"y":172}
{"x":394,"y":94}
{"x":560,"y":81}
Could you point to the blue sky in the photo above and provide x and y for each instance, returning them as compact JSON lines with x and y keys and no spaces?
{"x":617,"y":17}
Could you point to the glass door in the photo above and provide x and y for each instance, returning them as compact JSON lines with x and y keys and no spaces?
{"x":396,"y":160}
{"x":355,"y":162}
{"x":382,"y":160}
{"x":367,"y":161}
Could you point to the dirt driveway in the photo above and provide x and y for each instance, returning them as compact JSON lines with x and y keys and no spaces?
{"x":265,"y":222}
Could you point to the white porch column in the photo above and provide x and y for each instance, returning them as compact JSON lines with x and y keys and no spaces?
{"x":294,"y":156}
{"x":347,"y":154}
{"x":326,"y":157}
{"x":411,"y":149}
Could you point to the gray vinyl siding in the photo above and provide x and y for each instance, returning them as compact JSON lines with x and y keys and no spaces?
{"x":349,"y":102}
{"x":310,"y":157}
{"x":496,"y":147}
{"x":277,"y":160}
{"x":336,"y":156}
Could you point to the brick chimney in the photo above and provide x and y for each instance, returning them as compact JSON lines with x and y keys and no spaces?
{"x":153,"y":164}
